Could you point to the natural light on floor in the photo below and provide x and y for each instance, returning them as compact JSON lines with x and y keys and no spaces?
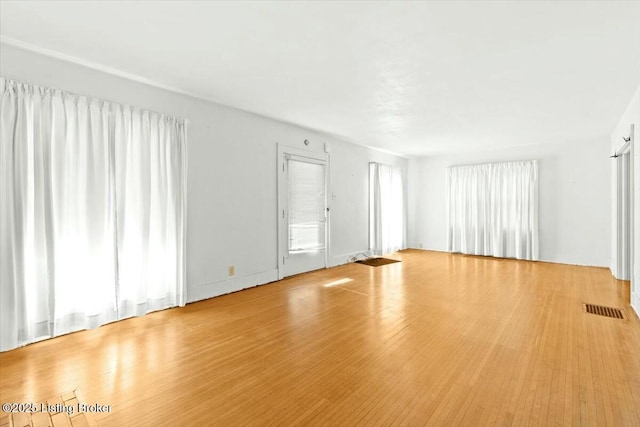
{"x":338,"y":282}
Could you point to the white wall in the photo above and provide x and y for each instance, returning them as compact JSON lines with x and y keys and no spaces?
{"x":232,"y":174}
{"x":629,"y":117}
{"x":574,"y":198}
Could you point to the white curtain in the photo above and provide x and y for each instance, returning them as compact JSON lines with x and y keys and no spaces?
{"x":493,"y":209}
{"x":92,"y":212}
{"x":386,"y":212}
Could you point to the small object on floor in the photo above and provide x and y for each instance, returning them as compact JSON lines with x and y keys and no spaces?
{"x":377,"y":262}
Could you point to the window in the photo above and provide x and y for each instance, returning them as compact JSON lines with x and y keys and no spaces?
{"x":92,"y":217}
{"x":493,"y":209}
{"x":306,"y":205}
{"x":386,"y":209}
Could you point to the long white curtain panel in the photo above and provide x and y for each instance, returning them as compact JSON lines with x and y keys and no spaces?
{"x":92,"y":212}
{"x":493,"y":209}
{"x":386,"y":211}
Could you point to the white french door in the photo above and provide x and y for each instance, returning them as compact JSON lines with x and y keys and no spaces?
{"x":302,"y":211}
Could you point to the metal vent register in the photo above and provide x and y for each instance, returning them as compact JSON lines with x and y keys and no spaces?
{"x":600,"y":310}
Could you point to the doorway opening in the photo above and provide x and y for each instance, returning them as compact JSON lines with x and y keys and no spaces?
{"x":623,"y":232}
{"x":302,"y":211}
{"x":625,"y":171}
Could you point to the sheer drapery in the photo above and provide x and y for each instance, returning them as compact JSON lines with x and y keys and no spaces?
{"x":386,"y":212}
{"x":493,"y":209}
{"x":150,"y":183}
{"x":87,"y":188}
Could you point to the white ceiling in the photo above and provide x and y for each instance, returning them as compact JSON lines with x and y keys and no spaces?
{"x":414,"y":78}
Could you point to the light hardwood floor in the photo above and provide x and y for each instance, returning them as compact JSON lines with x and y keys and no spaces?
{"x":438,"y":339}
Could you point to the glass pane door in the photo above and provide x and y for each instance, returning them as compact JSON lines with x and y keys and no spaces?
{"x":306,"y":203}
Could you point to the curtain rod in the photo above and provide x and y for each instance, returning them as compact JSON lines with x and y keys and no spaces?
{"x":492,"y":163}
{"x":383,"y":164}
{"x":92,"y":98}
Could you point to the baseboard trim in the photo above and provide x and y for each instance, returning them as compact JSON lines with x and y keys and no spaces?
{"x":233,"y":284}
{"x":214,"y":289}
{"x":635,"y":303}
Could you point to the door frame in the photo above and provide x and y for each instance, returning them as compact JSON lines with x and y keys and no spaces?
{"x":623,"y":214}
{"x":626,"y":267}
{"x":282,"y":204}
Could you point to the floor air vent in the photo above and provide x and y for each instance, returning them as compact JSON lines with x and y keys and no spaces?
{"x":600,"y":310}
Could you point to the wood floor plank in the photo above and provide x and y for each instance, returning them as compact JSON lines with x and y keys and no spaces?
{"x":437,"y":339}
